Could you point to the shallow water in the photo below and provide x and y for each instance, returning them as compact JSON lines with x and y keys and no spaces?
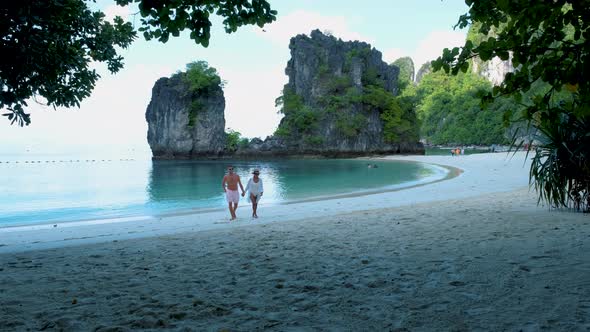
{"x":64,"y":190}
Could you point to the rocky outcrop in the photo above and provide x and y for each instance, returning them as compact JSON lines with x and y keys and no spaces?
{"x":424,"y":70}
{"x":493,"y":70}
{"x":325,"y":105}
{"x":182,"y":124}
{"x":339,"y":101}
{"x":406,"y":67}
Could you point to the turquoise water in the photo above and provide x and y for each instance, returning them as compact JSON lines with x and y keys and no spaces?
{"x":64,"y":190}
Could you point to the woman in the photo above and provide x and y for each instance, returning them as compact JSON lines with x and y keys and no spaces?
{"x":255,"y":190}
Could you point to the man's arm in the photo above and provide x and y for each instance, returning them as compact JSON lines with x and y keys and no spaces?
{"x":240,"y":183}
{"x":223,"y":182}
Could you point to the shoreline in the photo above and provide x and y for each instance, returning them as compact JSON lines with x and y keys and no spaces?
{"x":480,"y":176}
{"x":474,"y":253}
{"x":450,"y":173}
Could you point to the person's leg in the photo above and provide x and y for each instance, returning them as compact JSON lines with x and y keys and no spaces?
{"x":254,"y":207}
{"x":231,"y":210}
{"x":253,"y":200}
{"x":235,"y":208}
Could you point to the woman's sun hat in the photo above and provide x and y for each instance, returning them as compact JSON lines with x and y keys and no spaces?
{"x":256,"y":171}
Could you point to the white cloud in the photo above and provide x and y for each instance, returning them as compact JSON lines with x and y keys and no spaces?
{"x":393,"y":54}
{"x":114,"y":10}
{"x":429,"y":48}
{"x":301,"y":21}
{"x":113,"y":117}
{"x":250,"y":108}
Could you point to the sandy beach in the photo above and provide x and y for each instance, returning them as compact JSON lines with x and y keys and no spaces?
{"x":474,"y":252}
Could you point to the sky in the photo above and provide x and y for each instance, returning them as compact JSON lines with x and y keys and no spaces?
{"x":252,"y":61}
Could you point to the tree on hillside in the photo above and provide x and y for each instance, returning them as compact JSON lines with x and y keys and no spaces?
{"x":406,"y":71}
{"x":448,"y":108}
{"x":48,"y":46}
{"x":548,"y":41}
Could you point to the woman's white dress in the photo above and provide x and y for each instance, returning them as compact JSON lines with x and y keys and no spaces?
{"x":254,"y":188}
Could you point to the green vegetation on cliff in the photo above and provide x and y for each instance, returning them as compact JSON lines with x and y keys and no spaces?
{"x":200,"y":79}
{"x":340,"y":97}
{"x":299,"y":118}
{"x":234,"y":140}
{"x":450,"y":110}
{"x":406,"y":72}
{"x":199,"y":76}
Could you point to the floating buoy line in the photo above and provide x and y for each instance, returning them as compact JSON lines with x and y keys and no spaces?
{"x":64,"y":161}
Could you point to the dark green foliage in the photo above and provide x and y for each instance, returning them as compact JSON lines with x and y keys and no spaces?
{"x":359,"y":53}
{"x":289,"y":102}
{"x":305,"y":120}
{"x":243,"y":143}
{"x":282,"y":131}
{"x":232,"y":140}
{"x":548,"y":42}
{"x":301,"y":119}
{"x":199,"y":76}
{"x":314,"y":140}
{"x":350,"y":126}
{"x":338,"y":84}
{"x":561,"y":165}
{"x":371,"y":77}
{"x":47,"y":46}
{"x":334,"y":102}
{"x":200,"y":80}
{"x":160,"y":19}
{"x":397,"y":114}
{"x":323,"y":68}
{"x":193,"y":113}
{"x":342,"y":102}
{"x":450,"y":112}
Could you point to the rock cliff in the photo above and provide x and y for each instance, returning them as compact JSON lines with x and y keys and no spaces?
{"x":493,"y":70}
{"x":340,"y":100}
{"x":424,"y":70}
{"x":184,"y":124}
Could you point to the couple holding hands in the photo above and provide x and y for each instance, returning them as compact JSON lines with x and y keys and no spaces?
{"x":254,"y":188}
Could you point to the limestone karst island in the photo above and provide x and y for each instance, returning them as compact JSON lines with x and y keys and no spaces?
{"x":340,"y":101}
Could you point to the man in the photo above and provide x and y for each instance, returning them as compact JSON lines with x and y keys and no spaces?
{"x":231,"y":190}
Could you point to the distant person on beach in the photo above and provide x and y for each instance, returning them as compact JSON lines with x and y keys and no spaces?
{"x":255,"y":190}
{"x":230,"y":186}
